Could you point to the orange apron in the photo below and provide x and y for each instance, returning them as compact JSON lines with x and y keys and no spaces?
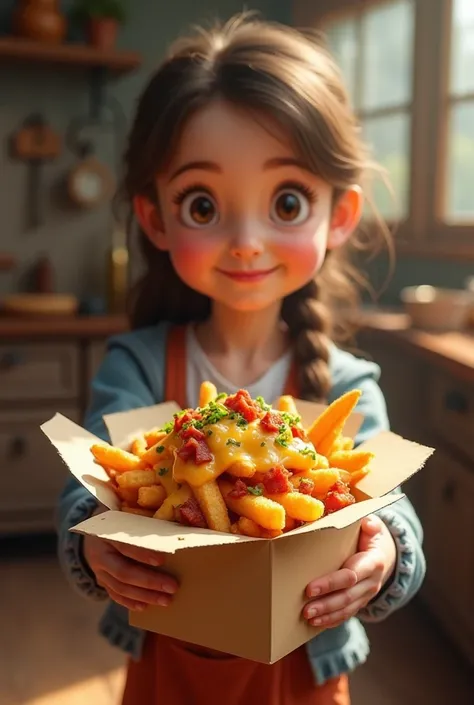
{"x":172,"y":673}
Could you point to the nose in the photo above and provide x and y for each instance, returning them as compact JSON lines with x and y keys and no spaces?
{"x":246,"y":243}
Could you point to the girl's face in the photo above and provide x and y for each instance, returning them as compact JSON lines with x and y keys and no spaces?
{"x":244,"y":221}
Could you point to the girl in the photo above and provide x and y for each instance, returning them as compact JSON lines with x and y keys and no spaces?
{"x":243,"y":171}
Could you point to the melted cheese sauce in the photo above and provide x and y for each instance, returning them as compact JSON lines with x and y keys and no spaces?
{"x":230,"y":443}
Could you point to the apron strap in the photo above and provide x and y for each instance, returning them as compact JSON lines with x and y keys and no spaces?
{"x":175,"y":373}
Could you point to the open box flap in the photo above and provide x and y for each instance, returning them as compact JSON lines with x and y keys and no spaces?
{"x":395,"y":461}
{"x":154,"y":534}
{"x":124,"y":426}
{"x":73,"y":445}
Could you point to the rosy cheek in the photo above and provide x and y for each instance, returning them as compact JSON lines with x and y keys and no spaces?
{"x":191,"y":254}
{"x":303,"y":254}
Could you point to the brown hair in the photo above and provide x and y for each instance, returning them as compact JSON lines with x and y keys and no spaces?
{"x":267,"y":68}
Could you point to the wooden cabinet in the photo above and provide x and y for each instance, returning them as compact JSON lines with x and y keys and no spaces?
{"x":428,"y":404}
{"x":38,"y":379}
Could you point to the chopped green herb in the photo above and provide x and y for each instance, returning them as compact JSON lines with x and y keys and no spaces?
{"x":168,"y":427}
{"x":308,"y":451}
{"x":163,"y":471}
{"x":220,"y":396}
{"x":290,"y":419}
{"x":160,"y":449}
{"x":262,"y":444}
{"x":209,"y":433}
{"x":233,"y":442}
{"x":262,"y":404}
{"x":242,"y":422}
{"x":257,"y":491}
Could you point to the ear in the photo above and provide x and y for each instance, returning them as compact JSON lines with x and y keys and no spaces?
{"x":345,"y":217}
{"x":149,"y":218}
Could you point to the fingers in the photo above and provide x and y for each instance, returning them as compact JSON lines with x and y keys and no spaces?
{"x":142,"y":555}
{"x":340,"y":605}
{"x":125,"y":602}
{"x":129,"y":572}
{"x":338,"y":616}
{"x":131,"y":594}
{"x":339,"y":580}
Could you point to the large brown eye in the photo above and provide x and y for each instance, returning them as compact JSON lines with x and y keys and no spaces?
{"x":289,"y":207}
{"x":199,"y":210}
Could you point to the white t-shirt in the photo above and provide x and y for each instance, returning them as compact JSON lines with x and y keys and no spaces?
{"x":199,"y":368}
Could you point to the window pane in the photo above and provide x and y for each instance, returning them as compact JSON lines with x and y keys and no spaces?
{"x":387,"y":47}
{"x":460,"y":196}
{"x":342,"y":40}
{"x":462,"y":43}
{"x":389,"y":139}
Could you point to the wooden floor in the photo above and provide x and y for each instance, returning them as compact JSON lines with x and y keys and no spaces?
{"x":50,"y":653}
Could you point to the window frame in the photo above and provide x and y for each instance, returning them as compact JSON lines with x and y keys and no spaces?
{"x":424,"y":232}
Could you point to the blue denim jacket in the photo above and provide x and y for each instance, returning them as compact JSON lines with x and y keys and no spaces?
{"x":132,"y":376}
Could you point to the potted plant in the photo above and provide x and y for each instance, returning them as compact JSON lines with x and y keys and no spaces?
{"x":101,"y":19}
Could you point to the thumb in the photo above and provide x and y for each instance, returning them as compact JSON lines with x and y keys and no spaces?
{"x":370,"y":527}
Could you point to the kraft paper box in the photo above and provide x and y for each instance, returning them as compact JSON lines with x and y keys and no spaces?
{"x":239,"y":595}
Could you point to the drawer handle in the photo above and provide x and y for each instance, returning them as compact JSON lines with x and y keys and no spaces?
{"x":18,"y":447}
{"x":449,"y":492}
{"x":10,"y":360}
{"x":457,"y":402}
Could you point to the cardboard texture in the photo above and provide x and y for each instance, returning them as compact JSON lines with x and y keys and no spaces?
{"x":239,"y":595}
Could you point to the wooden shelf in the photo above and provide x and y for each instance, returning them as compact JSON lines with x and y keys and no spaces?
{"x":82,"y":55}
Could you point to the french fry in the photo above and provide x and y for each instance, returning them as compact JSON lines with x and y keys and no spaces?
{"x":262,"y":510}
{"x":154,"y":436}
{"x":138,"y":510}
{"x":242,"y":468}
{"x":207,"y":393}
{"x":299,"y":506}
{"x":357,"y":476}
{"x":287,"y":403}
{"x":164,"y":475}
{"x":247,"y":527}
{"x":327,"y":427}
{"x":114,"y":458}
{"x":134,"y":479}
{"x":128,"y":494}
{"x":139,"y":446}
{"x":166,"y":511}
{"x":323,"y":479}
{"x":151,"y":497}
{"x":213,"y":507}
{"x":162,"y":451}
{"x":350,"y":460}
{"x":347,"y":443}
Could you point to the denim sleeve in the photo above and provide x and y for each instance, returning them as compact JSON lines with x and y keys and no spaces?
{"x":400,"y":517}
{"x":118,"y":386}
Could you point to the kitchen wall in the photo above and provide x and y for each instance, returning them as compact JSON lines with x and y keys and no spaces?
{"x":77,"y":242}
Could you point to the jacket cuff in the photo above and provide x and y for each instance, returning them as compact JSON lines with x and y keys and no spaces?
{"x":407,"y":576}
{"x":70,"y":550}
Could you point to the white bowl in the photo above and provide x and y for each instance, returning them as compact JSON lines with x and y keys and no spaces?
{"x":436,"y":309}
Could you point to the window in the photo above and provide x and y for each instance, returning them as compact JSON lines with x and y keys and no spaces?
{"x":409,"y":68}
{"x":459,"y":184}
{"x":374,"y":49}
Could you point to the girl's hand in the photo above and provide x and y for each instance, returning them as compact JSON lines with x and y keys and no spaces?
{"x":343,"y":593}
{"x":129,"y":574}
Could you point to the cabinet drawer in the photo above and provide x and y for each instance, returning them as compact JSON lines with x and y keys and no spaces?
{"x":449,"y":535}
{"x":451,"y":411}
{"x":31,"y":472}
{"x":38,"y":371}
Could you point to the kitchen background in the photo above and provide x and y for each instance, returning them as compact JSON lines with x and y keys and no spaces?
{"x":409,"y":65}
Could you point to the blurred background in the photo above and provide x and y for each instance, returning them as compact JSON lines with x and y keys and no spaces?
{"x":70,"y":74}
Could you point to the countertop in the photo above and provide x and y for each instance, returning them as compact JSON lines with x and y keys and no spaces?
{"x":454,"y":351}
{"x":61,"y":327}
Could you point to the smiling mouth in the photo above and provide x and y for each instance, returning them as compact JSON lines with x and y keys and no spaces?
{"x":250,"y":276}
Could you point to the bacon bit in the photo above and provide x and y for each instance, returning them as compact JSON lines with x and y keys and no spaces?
{"x":272,"y":422}
{"x":298,"y":432}
{"x":242,"y":403}
{"x":191,"y":432}
{"x":306,"y":486}
{"x":197,"y":451}
{"x":188,"y":416}
{"x":190,"y":514}
{"x":276,"y":481}
{"x":239,"y":490}
{"x":338,"y":497}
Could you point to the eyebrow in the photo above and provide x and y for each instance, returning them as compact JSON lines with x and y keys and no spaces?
{"x":203,"y":165}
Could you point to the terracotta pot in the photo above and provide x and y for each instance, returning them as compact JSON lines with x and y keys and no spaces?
{"x":41,"y":21}
{"x":103,"y":33}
